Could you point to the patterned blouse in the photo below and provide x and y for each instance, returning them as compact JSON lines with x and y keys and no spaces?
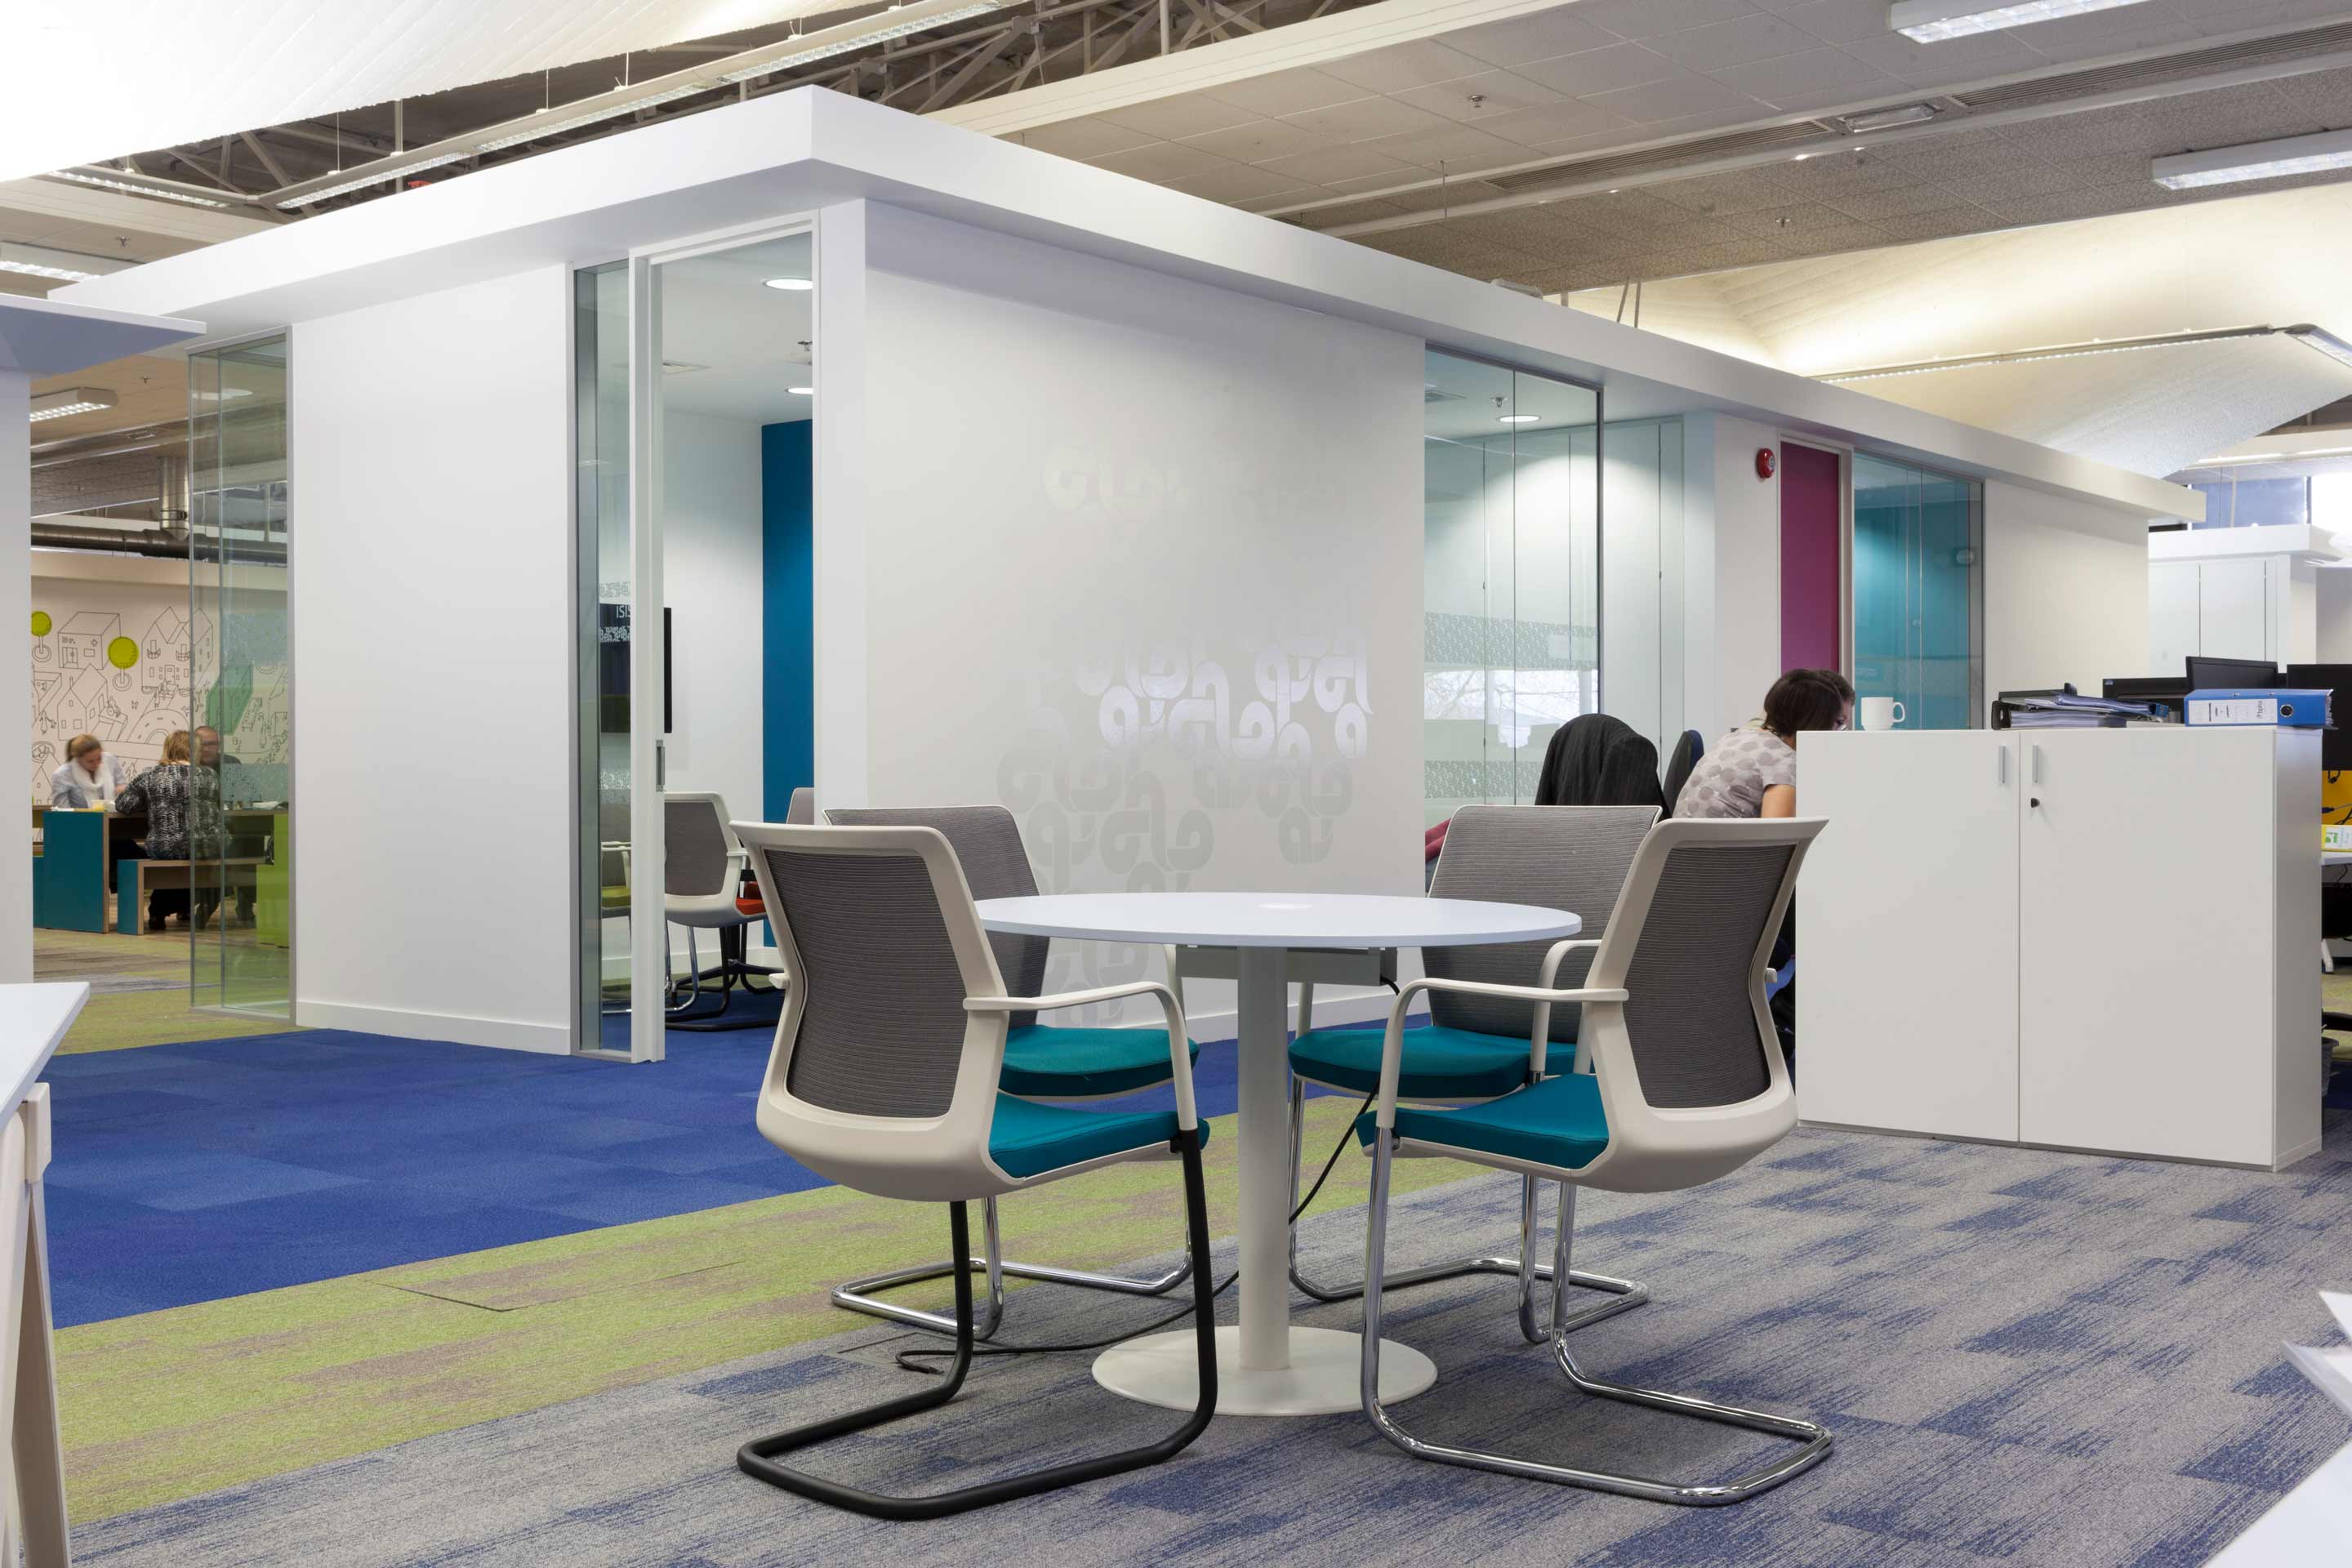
{"x":181,"y":803}
{"x":1731,"y":778}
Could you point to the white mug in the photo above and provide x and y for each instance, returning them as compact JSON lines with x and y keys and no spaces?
{"x":1879,"y":712}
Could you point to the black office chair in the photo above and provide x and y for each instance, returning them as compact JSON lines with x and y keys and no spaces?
{"x":1688,"y":748}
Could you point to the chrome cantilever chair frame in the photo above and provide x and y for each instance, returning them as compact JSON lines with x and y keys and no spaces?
{"x":1647,"y":1150}
{"x":862,"y":1295}
{"x":939,"y":1154}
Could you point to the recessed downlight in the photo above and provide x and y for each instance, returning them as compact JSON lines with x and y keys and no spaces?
{"x":793,"y":285}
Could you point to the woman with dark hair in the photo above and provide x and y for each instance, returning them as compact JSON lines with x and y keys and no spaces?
{"x":1752,"y":772}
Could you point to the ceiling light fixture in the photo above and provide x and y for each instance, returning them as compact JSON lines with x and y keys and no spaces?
{"x":62,"y":265}
{"x":307,"y":197}
{"x":1520,"y":418}
{"x":160,"y":193}
{"x":2270,"y":457}
{"x":898,"y":21}
{"x":2254,"y":161}
{"x":1887,"y":119}
{"x":1933,"y":21}
{"x":2075,"y":350}
{"x":791,"y":285}
{"x":802,"y":391}
{"x":536,"y":132}
{"x":68,"y":400}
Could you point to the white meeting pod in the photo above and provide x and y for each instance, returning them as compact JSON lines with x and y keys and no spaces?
{"x":1149,"y":519}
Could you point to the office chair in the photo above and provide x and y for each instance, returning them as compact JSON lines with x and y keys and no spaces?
{"x":1689,"y":746}
{"x":1476,"y":1048}
{"x":702,"y":891}
{"x":884,"y":1078}
{"x":1042,"y":1062}
{"x":1677,"y":1080}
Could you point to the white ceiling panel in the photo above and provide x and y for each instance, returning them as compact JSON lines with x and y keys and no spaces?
{"x":172,"y":71}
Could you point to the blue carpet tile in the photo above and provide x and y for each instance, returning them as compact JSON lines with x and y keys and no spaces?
{"x":190,"y":1173}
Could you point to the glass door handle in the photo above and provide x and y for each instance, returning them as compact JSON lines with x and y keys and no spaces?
{"x":661,"y":767}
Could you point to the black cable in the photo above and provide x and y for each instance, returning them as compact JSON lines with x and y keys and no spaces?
{"x":908,"y":1358}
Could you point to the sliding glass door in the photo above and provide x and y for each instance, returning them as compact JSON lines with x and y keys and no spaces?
{"x":1919,"y":602}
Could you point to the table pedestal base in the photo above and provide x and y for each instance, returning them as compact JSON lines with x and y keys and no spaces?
{"x":1325,"y":1376}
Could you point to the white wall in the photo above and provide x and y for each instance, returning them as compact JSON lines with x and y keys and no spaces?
{"x":16,"y":703}
{"x":1141,"y":559}
{"x":1731,"y":613}
{"x":2333,"y":638}
{"x":434,"y":638}
{"x":2066,"y":592}
{"x":710,"y":579}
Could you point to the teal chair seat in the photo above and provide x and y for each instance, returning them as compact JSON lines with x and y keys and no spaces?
{"x":1439,"y":1063}
{"x":1556,"y":1123}
{"x":1027,"y":1138}
{"x":1079,"y":1063}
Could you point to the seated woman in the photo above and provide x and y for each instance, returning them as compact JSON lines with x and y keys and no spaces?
{"x":1752,"y":772}
{"x":181,"y":803}
{"x":87,"y":777}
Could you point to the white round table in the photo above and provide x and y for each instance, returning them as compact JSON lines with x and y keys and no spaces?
{"x":1265,"y":1367}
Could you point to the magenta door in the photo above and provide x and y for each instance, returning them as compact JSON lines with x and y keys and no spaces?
{"x":1812,"y":568}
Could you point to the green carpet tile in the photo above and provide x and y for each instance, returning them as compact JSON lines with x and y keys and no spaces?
{"x":170,"y":1405}
{"x":139,"y":992}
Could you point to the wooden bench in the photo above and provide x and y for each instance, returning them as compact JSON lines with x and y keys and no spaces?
{"x":224,"y":877}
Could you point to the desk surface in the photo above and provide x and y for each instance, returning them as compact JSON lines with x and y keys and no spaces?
{"x":33,"y":1023}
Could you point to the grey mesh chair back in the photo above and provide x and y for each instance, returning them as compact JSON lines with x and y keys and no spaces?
{"x":695,"y":845}
{"x":1702,"y":905}
{"x":987,"y":841}
{"x":1570,"y":857}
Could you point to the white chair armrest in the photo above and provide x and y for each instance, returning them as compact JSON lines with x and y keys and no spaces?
{"x":1180,"y":1052}
{"x":1392,"y":1046}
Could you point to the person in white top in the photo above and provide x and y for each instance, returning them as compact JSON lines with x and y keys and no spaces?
{"x":89,"y":777}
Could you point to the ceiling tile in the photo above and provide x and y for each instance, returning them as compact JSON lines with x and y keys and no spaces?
{"x":1812,"y":71}
{"x":1334,"y":166}
{"x":1288,"y":197}
{"x":1286,"y":92}
{"x":1382,"y":182}
{"x":1875,"y":206}
{"x":1830,"y":174}
{"x":1837,"y":21}
{"x":1365,"y":117}
{"x":1861,"y":88}
{"x":2123,"y":130}
{"x":1822,"y":241}
{"x":1952,"y":60}
{"x":1673,"y":99}
{"x":1261,"y":140}
{"x":1788,"y":222}
{"x":1940,"y":223}
{"x":1478,"y":98}
{"x":1742,"y":191}
{"x":1173,"y":119}
{"x":1351,"y":212}
{"x":1461,"y":149}
{"x":1239,"y":183}
{"x":1160,"y":161}
{"x":1400,"y":66}
{"x":1569,"y":117}
{"x":1999,"y":191}
{"x":2230,"y":16}
{"x":2058,"y":207}
{"x":1599,"y":70}
{"x":1083,"y":139}
{"x":1749,"y":38}
{"x":2105,"y":32}
{"x":1648,"y":18}
{"x":1536,"y":38}
{"x":1681,"y":260}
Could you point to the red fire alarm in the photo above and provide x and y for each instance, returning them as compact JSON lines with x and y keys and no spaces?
{"x":1765,"y":462}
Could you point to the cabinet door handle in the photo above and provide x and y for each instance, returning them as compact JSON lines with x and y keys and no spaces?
{"x":2001,"y":752}
{"x":2037,"y":764}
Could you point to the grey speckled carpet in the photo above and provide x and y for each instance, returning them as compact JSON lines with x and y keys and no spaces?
{"x":2028,"y":1358}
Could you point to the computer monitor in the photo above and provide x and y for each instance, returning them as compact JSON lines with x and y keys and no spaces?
{"x":2230,"y":674}
{"x":2336,"y":741}
{"x":2172,"y":690}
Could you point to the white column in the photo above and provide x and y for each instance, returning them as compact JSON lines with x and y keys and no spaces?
{"x":1265,"y":1137}
{"x":16,"y":693}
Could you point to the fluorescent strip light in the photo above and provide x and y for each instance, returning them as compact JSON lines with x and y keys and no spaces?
{"x":857,"y":35}
{"x":64,"y":265}
{"x":70,"y":400}
{"x":161,"y":194}
{"x":593,"y":117}
{"x":1933,"y":21}
{"x":1887,"y":119}
{"x":2270,"y":457}
{"x":2255,"y":161}
{"x":307,"y":197}
{"x":2063,"y":350}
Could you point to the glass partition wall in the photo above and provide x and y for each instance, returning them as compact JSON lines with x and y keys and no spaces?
{"x":233,"y":654}
{"x":603,"y":573}
{"x":1512,"y":610}
{"x":1918,"y":600}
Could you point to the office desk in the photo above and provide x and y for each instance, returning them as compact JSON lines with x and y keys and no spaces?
{"x":72,"y":870}
{"x":2077,"y":939}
